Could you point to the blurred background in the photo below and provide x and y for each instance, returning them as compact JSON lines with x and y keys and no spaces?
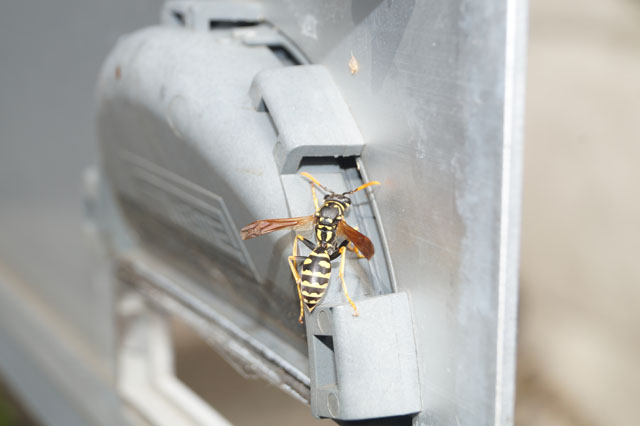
{"x":579,"y":320}
{"x":579,"y":324}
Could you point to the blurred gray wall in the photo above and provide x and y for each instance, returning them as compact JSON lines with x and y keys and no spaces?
{"x":50,"y":55}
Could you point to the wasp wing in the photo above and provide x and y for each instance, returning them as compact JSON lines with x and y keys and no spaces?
{"x":265,"y":226}
{"x":362,"y":242}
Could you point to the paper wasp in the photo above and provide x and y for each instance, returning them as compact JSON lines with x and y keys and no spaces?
{"x":333,"y":236}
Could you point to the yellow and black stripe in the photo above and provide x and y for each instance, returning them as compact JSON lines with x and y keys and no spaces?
{"x":316,"y":272}
{"x":328,"y":219}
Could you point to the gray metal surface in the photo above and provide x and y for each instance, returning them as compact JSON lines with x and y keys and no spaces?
{"x":309,"y":114}
{"x":363,"y":367}
{"x":190,"y":160}
{"x":438,"y":99}
{"x":188,"y":136}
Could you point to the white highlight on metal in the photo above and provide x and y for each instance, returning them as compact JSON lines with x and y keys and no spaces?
{"x":509,"y":210}
{"x":309,"y":27}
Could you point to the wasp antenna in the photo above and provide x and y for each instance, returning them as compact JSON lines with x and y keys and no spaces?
{"x":363,"y":186}
{"x":315,"y":181}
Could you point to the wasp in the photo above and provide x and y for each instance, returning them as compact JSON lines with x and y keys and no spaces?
{"x":333,"y":237}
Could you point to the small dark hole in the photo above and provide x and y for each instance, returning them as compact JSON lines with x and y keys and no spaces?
{"x":343,"y":162}
{"x":327,"y":341}
{"x":384,"y":421}
{"x":347,"y":162}
{"x":179,"y":17}
{"x":225,"y":25}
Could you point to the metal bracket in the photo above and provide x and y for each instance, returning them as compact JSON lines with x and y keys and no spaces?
{"x":363,"y":367}
{"x":309,"y":113}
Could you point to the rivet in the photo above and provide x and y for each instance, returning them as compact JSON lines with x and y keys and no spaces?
{"x":324,"y":321}
{"x":333,"y":405}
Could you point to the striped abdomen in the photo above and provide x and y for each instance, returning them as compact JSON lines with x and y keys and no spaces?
{"x":316,"y":271}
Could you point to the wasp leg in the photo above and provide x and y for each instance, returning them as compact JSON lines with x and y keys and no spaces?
{"x":337,"y":253}
{"x":354,"y":249}
{"x":342,"y":252}
{"x":305,"y":242}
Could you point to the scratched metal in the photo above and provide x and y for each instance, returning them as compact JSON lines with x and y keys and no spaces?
{"x":438,"y":98}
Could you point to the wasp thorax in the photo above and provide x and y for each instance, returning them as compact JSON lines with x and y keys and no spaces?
{"x":328,"y":214}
